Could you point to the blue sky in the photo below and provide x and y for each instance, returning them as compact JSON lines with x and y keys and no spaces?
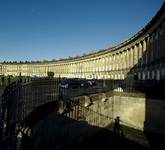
{"x":53,"y":29}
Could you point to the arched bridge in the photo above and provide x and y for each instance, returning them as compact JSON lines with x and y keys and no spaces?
{"x":24,"y":104}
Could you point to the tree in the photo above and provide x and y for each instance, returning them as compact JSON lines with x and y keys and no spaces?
{"x":50,"y":74}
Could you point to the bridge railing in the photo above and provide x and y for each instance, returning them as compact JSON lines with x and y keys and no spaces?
{"x":81,"y":113}
{"x":21,"y":98}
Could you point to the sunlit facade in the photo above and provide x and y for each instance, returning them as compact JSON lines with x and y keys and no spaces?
{"x":143,"y":56}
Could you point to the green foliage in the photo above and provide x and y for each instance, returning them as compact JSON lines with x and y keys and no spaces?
{"x":6,"y":80}
{"x":130,"y":77}
{"x":50,"y":74}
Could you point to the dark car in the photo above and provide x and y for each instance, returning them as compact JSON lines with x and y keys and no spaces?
{"x":70,"y":83}
{"x":85,"y":83}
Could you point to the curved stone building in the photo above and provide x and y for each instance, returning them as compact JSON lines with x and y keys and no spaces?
{"x":142,"y":56}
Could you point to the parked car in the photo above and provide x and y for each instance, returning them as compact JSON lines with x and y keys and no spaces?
{"x":92,"y":82}
{"x":85,"y":83}
{"x":70,"y":83}
{"x":76,"y":83}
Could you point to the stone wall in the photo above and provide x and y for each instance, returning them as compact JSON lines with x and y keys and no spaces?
{"x":134,"y":110}
{"x":85,"y":116}
{"x":131,"y":110}
{"x":154,"y":116}
{"x":92,"y":110}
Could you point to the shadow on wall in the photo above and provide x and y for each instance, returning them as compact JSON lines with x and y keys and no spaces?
{"x":60,"y":132}
{"x":151,"y":68}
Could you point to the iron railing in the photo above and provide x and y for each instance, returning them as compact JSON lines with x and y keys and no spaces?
{"x":18,"y":100}
{"x":21,"y":98}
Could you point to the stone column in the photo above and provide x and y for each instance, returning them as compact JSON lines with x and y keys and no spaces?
{"x":131,"y":58}
{"x":152,"y":47}
{"x":147,"y":50}
{"x":117,"y":62}
{"x":162,"y":33}
{"x":103,"y":64}
{"x":87,"y":67}
{"x":149,"y":47}
{"x":95,"y":66}
{"x":112,"y":62}
{"x":156,"y":45}
{"x":135,"y":54}
{"x":127,"y":58}
{"x":159,"y":42}
{"x":92,"y":63}
{"x":121,"y":60}
{"x":140,"y":54}
{"x":109,"y":63}
{"x":92,"y":68}
{"x":124,"y":57}
{"x":122,"y":63}
{"x":144,"y":52}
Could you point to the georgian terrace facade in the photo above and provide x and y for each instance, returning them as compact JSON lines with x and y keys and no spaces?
{"x":143,"y":56}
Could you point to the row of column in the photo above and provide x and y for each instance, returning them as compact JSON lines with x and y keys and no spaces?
{"x":126,"y":59}
{"x":140,"y":54}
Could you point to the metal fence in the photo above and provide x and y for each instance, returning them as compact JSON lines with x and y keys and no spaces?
{"x":78,"y":112}
{"x":21,"y":98}
{"x":151,"y":88}
{"x":18,"y":100}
